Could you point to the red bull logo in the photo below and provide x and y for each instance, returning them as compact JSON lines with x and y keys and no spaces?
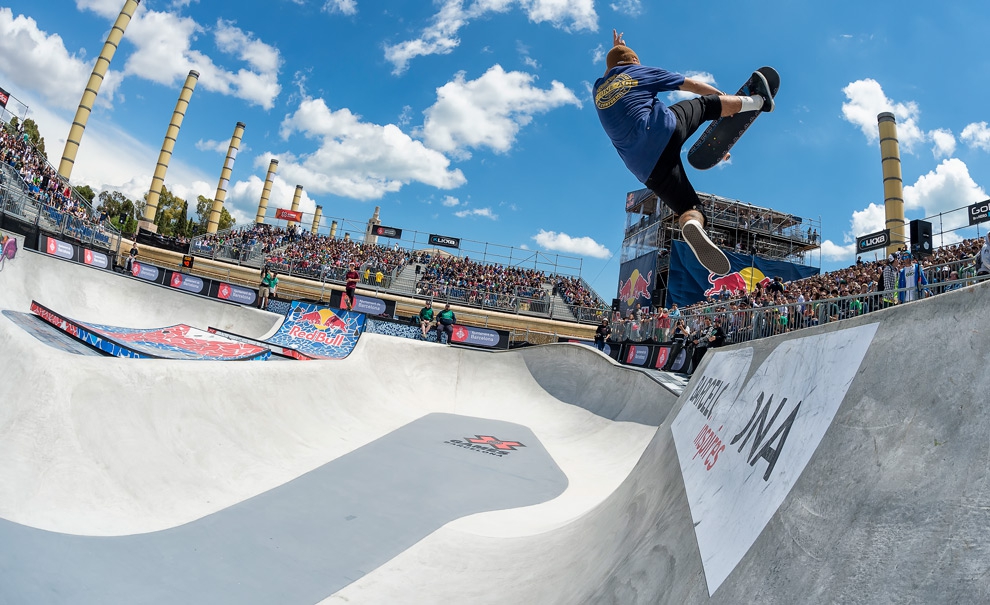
{"x":745,"y":279}
{"x":635,"y":287}
{"x":320,"y":337}
{"x":322,"y":319}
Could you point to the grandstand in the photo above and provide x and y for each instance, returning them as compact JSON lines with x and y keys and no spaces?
{"x":651,"y":227}
{"x":35,"y":201}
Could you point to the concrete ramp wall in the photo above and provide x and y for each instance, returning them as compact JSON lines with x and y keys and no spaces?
{"x":890,"y":507}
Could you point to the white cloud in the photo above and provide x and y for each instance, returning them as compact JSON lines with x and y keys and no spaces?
{"x":344,"y":7}
{"x":440,"y":37}
{"x":210,"y":145}
{"x":946,"y":188}
{"x":163,"y":53}
{"x":358,"y":159}
{"x":866,"y":100}
{"x":35,"y":61}
{"x":944,"y":143}
{"x":631,"y":8}
{"x":833,"y":251}
{"x":244,"y":195}
{"x":482,"y":212}
{"x":561,"y":242}
{"x":702,"y":76}
{"x":450,"y":201}
{"x":488,"y":112}
{"x":597,"y":54}
{"x":868,"y":220}
{"x":977,"y":135}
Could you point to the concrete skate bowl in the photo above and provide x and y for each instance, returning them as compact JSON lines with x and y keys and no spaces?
{"x":842,"y":464}
{"x":163,"y":481}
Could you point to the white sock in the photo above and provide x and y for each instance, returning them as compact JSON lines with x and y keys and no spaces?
{"x":752,"y":103}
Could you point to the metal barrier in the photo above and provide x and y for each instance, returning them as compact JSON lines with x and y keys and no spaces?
{"x":743,"y":325}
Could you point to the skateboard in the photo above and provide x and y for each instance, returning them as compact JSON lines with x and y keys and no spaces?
{"x":723,"y":133}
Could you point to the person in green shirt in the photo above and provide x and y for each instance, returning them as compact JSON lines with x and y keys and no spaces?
{"x":426,"y":318}
{"x":446,"y":320}
{"x":268,"y":285}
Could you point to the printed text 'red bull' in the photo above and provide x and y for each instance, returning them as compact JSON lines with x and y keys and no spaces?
{"x":320,"y":337}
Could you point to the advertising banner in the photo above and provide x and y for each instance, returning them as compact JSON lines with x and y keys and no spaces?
{"x":636,"y":282}
{"x":73,"y":252}
{"x":689,"y":282}
{"x":743,"y":437}
{"x":319,"y":331}
{"x":390,"y":232}
{"x":369,"y":305}
{"x":979,"y":212}
{"x":873,"y":241}
{"x":4,"y":97}
{"x":288,"y":215}
{"x":445,"y":241}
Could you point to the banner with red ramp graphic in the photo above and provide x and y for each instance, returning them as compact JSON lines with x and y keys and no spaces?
{"x":172,"y":342}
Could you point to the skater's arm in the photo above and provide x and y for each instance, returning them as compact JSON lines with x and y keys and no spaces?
{"x":700,"y":88}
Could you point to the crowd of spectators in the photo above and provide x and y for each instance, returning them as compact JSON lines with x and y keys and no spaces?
{"x":324,"y":256}
{"x":38,"y":179}
{"x":776,"y":306}
{"x":244,"y":242}
{"x":481,"y":284}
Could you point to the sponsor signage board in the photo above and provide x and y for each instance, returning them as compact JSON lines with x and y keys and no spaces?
{"x":4,"y":97}
{"x":390,"y":232}
{"x":873,"y":241}
{"x":445,"y":241}
{"x":742,"y":444}
{"x":979,"y":212}
{"x":288,"y":215}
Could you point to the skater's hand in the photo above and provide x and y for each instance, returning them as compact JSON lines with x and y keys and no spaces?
{"x":617,"y":39}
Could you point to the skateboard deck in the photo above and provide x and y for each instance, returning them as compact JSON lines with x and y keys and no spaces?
{"x":723,"y":133}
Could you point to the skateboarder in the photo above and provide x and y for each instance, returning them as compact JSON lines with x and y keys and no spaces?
{"x":649,"y":135}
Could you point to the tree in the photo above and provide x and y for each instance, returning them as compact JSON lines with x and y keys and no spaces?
{"x":85,"y":191}
{"x":115,"y":204}
{"x":170,"y":209}
{"x":34,"y":137}
{"x":204,"y":206}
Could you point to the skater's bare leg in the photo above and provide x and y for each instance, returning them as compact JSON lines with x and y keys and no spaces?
{"x":692,"y":215}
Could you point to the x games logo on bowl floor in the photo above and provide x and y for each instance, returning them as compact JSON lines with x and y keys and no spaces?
{"x":486,"y":444}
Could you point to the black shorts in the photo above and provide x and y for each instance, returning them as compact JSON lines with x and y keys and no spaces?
{"x":668,"y":179}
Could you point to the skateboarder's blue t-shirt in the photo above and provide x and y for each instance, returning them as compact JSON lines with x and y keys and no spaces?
{"x":638,"y":123}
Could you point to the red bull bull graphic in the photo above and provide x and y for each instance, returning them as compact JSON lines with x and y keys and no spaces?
{"x":636,"y":282}
{"x":744,"y":280}
{"x":318,"y":331}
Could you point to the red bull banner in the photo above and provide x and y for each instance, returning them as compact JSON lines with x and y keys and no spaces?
{"x":320,"y":332}
{"x":688,"y":282}
{"x":636,"y":282}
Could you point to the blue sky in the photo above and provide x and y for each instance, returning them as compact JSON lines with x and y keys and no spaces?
{"x":474,"y":119}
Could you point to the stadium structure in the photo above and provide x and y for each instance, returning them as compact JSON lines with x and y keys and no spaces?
{"x":652,"y":243}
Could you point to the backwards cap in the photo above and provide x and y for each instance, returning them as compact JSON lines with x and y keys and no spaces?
{"x":620,"y":55}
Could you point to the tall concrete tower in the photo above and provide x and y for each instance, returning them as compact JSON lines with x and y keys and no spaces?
{"x":893,"y":186}
{"x":295,"y":202}
{"x":316,"y":219}
{"x":93,"y":88}
{"x":266,"y":192}
{"x":171,"y":135}
{"x":228,"y":165}
{"x":333,"y":229}
{"x":369,"y":230}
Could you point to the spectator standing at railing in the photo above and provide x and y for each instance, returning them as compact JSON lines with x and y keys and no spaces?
{"x":983,"y":261}
{"x":710,"y":336}
{"x":910,"y":279}
{"x":890,"y":276}
{"x":602,"y":333}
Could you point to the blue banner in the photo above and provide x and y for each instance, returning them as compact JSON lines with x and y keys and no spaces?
{"x":636,"y":282}
{"x":688,"y":282}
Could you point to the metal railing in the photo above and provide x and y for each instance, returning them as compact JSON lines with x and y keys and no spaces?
{"x":742,"y":325}
{"x":17,"y":204}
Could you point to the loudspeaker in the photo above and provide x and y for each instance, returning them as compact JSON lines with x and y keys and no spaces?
{"x":659,"y":295}
{"x":921,"y":238}
{"x":616,"y":304}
